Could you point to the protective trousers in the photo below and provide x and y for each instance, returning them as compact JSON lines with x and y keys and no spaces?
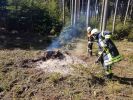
{"x":107,"y":69}
{"x":90,"y":44}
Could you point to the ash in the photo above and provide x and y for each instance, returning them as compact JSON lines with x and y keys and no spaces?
{"x":60,"y":62}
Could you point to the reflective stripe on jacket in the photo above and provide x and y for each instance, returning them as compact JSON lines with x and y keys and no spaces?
{"x":111,"y":54}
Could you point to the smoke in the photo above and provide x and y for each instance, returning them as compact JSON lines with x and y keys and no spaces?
{"x":67,"y":35}
{"x":80,"y":19}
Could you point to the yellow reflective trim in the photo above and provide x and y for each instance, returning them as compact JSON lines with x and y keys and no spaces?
{"x":112,"y":60}
{"x":109,"y":71}
{"x":100,"y":52}
{"x":107,"y":36}
{"x":106,"y":63}
{"x":107,"y":50}
{"x":118,"y":58}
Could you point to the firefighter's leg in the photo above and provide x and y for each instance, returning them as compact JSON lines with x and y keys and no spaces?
{"x":90,"y":49}
{"x":108,"y":71}
{"x":90,"y":52}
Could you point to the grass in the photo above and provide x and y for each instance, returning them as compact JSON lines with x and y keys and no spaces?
{"x":29,"y":83}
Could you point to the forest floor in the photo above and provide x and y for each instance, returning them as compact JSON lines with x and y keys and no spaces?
{"x":23,"y":75}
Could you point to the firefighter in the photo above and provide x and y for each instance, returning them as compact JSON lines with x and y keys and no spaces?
{"x":90,"y":41}
{"x":107,"y":51}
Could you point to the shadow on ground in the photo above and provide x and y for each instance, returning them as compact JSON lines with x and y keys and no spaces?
{"x":123,"y":80}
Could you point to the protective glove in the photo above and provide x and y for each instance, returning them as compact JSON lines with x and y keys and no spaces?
{"x":99,"y":53}
{"x":99,"y":58}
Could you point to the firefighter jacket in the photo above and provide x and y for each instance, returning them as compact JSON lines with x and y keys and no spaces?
{"x":111,"y":54}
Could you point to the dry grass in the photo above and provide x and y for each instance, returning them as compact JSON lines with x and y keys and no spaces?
{"x":29,"y":83}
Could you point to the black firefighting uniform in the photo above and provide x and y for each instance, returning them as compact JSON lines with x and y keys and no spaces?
{"x":90,"y":44}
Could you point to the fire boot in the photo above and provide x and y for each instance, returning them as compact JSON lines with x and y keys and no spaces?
{"x":109,"y":76}
{"x":108,"y":72}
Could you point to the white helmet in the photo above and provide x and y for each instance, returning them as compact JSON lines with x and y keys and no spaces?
{"x":94,"y":31}
{"x":88,"y":29}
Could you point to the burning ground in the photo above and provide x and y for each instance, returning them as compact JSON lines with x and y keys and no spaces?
{"x":65,"y":75}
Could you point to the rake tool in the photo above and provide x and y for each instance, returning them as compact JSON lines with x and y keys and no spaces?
{"x":97,"y":60}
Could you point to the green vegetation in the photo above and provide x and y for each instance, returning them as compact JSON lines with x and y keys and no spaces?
{"x":34,"y":18}
{"x":130,"y":36}
{"x":121,"y":32}
{"x":28,"y":24}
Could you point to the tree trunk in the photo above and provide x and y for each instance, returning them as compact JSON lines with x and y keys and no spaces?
{"x":102,"y":12}
{"x":105,"y":16}
{"x":75,"y":12}
{"x":126,"y":12}
{"x":131,"y":9}
{"x":96,"y":11}
{"x":116,"y":6}
{"x":82,"y":7}
{"x":72,"y":9}
{"x":78,"y":9}
{"x":63,"y":1}
{"x":88,"y":13}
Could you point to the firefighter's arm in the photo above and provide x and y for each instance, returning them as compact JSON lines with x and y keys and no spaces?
{"x":100,"y":53}
{"x":99,"y":57}
{"x":104,"y":45}
{"x":107,"y":38}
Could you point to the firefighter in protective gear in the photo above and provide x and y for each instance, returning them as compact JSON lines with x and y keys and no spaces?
{"x":90,"y":41}
{"x":107,"y":50}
